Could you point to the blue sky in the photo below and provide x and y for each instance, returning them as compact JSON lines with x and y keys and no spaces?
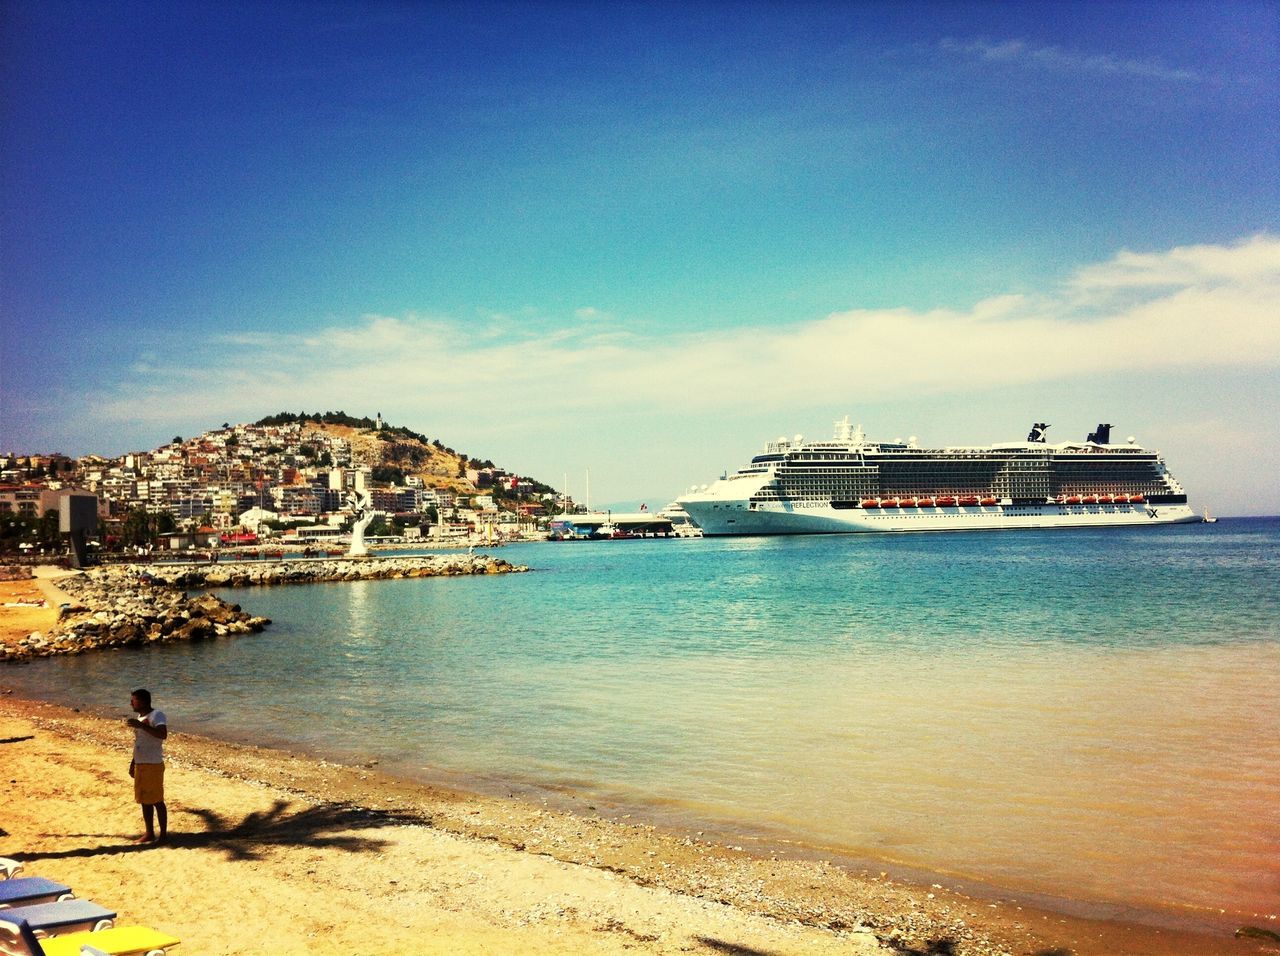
{"x":640,"y":239}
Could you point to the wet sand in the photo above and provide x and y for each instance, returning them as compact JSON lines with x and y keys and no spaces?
{"x":275,"y":852}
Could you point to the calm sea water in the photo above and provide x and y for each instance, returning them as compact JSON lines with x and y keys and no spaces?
{"x":1084,"y":714}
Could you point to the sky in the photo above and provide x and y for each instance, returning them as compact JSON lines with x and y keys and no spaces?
{"x":634,"y":241}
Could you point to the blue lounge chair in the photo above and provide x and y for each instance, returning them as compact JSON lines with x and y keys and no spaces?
{"x":54,"y":919}
{"x":29,"y":890}
{"x":17,"y":937}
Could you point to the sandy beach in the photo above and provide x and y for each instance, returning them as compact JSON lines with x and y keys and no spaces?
{"x":272,"y":852}
{"x":27,"y":605}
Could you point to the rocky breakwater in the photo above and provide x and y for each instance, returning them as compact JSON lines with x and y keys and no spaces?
{"x":316,"y":570}
{"x":124,"y":606}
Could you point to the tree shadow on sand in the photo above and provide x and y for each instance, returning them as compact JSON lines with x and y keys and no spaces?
{"x":327,"y":826}
{"x":732,"y":949}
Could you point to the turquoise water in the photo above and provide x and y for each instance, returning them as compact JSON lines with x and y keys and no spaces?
{"x":1082,"y":714}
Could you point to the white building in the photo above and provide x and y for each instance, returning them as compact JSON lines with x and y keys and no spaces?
{"x":255,"y":518}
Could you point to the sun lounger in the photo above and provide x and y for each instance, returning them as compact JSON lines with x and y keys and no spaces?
{"x":68,"y":916}
{"x":29,"y":890}
{"x":17,"y":939}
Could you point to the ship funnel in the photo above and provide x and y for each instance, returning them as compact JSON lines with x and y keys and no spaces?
{"x":1102,"y":436}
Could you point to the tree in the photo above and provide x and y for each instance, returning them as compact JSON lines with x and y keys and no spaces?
{"x":15,"y":528}
{"x":49,"y":530}
{"x":141,"y":529}
{"x":135,"y":531}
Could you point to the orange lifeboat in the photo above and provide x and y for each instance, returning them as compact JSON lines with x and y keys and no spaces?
{"x":888,"y":502}
{"x":871,"y":502}
{"x":926,"y":503}
{"x":1073,"y":500}
{"x":1121,"y":499}
{"x":1105,"y":499}
{"x":968,"y":501}
{"x":987,"y":502}
{"x":906,"y":502}
{"x":946,"y":501}
{"x":1091,"y":499}
{"x":1136,"y":499}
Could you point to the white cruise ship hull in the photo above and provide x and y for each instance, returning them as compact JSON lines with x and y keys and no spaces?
{"x":851,"y":485}
{"x":721,"y":516}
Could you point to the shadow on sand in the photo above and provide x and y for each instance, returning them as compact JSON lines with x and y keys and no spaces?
{"x":732,"y":949}
{"x":328,"y":825}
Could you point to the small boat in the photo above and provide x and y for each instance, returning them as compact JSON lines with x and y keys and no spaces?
{"x":906,"y":502}
{"x":947,"y":501}
{"x":1090,"y":499}
{"x":1105,"y":499}
{"x":1208,"y":518}
{"x":968,"y":501}
{"x":871,"y":502}
{"x":987,"y":502}
{"x":1121,"y":499}
{"x":1073,"y":499}
{"x":1136,"y":499}
{"x":888,"y":502}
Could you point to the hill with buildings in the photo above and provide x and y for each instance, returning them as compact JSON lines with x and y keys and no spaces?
{"x":283,"y":471}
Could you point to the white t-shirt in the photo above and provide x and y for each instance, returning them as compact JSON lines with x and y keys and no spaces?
{"x":148,"y":749}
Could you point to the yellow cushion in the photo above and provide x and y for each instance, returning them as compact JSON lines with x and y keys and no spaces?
{"x":120,"y":940}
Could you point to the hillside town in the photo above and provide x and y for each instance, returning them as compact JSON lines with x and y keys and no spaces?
{"x":287,"y":480}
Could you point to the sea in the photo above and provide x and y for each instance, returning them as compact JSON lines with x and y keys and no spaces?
{"x":1089,"y":717}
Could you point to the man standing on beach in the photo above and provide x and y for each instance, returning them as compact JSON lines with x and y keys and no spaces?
{"x":147,"y":767}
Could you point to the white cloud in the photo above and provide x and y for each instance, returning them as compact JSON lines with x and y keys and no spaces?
{"x":1021,"y":52}
{"x":1254,"y":259}
{"x":1190,"y":306}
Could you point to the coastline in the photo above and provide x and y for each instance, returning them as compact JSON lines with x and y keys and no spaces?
{"x":475,"y":873}
{"x":119,"y":605}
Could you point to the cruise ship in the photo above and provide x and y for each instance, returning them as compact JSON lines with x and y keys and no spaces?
{"x":852,"y":484}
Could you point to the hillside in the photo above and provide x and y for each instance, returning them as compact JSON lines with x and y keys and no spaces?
{"x":396,"y":452}
{"x":394,"y":457}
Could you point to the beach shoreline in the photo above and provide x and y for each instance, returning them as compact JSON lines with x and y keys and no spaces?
{"x":553,"y":876}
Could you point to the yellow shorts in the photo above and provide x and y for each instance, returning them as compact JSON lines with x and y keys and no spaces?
{"x":148,"y":783}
